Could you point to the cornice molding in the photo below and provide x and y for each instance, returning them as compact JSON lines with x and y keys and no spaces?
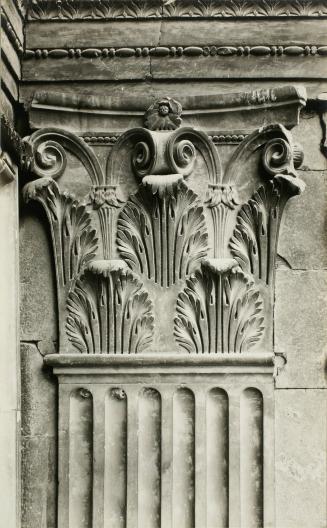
{"x":105,"y":118}
{"x":11,"y":33}
{"x":176,"y":51}
{"x":135,"y":9}
{"x":71,"y":363}
{"x":11,"y":140}
{"x":191,"y":103}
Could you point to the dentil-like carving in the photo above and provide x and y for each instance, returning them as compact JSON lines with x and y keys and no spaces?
{"x":219,"y":311}
{"x":109,"y":311}
{"x":161,"y":230}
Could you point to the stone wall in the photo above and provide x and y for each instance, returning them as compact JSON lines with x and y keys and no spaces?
{"x":12,"y":16}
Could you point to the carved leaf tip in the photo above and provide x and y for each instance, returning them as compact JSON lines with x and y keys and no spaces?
{"x":219,"y":311}
{"x":163,"y":235}
{"x":222,"y":194}
{"x":31,"y":189}
{"x":109,"y":312}
{"x":293,"y":186}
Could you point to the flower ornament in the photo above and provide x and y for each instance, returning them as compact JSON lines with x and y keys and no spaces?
{"x":163,"y":115}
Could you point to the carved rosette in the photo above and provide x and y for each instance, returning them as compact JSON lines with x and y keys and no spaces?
{"x":161,"y":231}
{"x":109,"y":311}
{"x":163,"y":115}
{"x":219,"y":311}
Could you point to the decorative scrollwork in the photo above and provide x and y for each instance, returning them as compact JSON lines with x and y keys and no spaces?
{"x":279,"y":156}
{"x":46,"y":150}
{"x":142,"y":158}
{"x":109,"y":311}
{"x":50,"y":160}
{"x":219,"y":311}
{"x":161,"y":230}
{"x":182,"y":155}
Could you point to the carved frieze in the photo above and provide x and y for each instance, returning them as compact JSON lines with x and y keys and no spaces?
{"x":181,"y":258}
{"x":111,"y":9}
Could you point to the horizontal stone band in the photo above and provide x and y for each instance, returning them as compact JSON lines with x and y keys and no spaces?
{"x":176,"y":51}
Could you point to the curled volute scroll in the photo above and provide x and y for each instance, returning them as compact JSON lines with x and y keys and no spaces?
{"x":46,"y":152}
{"x":156,"y":152}
{"x":280,"y":155}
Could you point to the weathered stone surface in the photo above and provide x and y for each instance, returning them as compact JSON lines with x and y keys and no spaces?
{"x":9,"y":81}
{"x":39,"y":394}
{"x":39,"y":441}
{"x":307,"y":251}
{"x":9,"y":467}
{"x":239,"y":33}
{"x":152,"y":33}
{"x":9,"y":360}
{"x":37,"y":294}
{"x":94,"y":34}
{"x":300,"y":464}
{"x":308,"y":134}
{"x":163,"y":88}
{"x":209,"y":112}
{"x":300,"y":330}
{"x":9,"y":51}
{"x":12,"y":14}
{"x":38,"y":478}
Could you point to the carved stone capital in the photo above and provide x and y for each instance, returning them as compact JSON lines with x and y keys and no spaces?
{"x":172,"y":240}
